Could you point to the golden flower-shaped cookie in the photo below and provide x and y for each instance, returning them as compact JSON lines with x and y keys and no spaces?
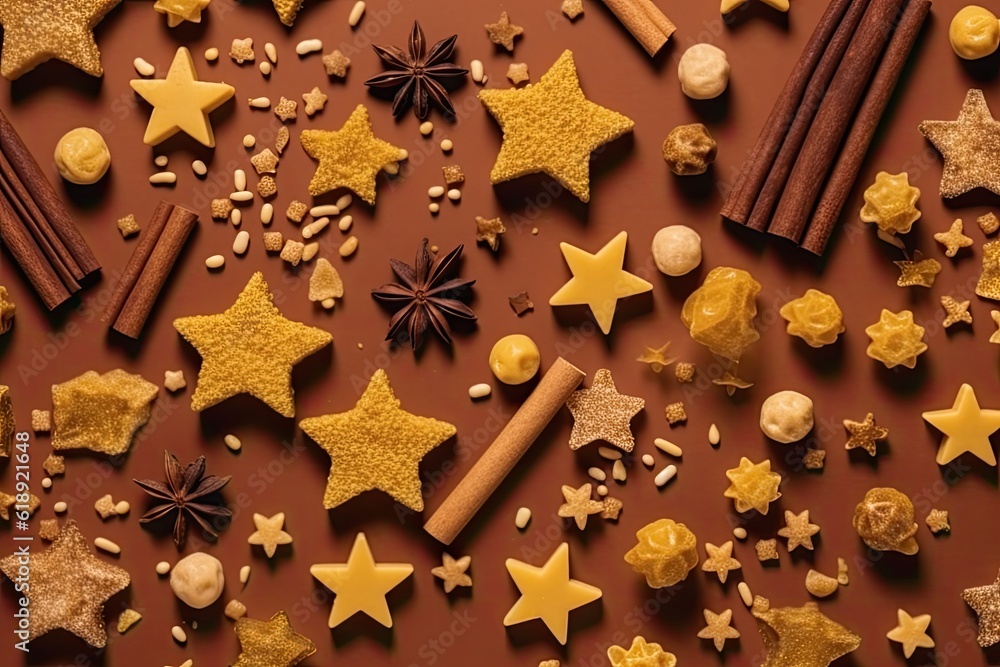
{"x":814,"y":317}
{"x":753,"y":486}
{"x":641,"y":654}
{"x":720,"y":313}
{"x":665,"y":553}
{"x":896,"y":339}
{"x":100,"y":412}
{"x":884,"y":520}
{"x":891,"y":203}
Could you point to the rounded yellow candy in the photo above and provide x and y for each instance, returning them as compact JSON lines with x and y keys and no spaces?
{"x":514,"y":359}
{"x":891,"y":203}
{"x":666,"y":552}
{"x":82,"y":156}
{"x":814,"y":317}
{"x":974,"y":32}
{"x":720,"y":313}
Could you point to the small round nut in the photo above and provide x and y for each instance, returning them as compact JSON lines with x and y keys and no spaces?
{"x":689,"y":149}
{"x":514,"y":359}
{"x":676,"y":250}
{"x":82,"y":156}
{"x":703,"y":72}
{"x":786,"y":416}
{"x":974,"y":32}
{"x":197,"y":580}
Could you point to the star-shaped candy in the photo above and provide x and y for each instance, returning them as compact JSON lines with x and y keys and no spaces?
{"x":937,"y":521}
{"x":314,"y":100}
{"x":599,"y":280}
{"x":753,"y":486}
{"x":967,"y":428}
{"x":361,"y":584}
{"x":969,"y":147}
{"x":801,"y":636}
{"x":917,"y":273}
{"x":100,"y":412}
{"x":249,"y":349}
{"x":179,"y":11}
{"x":35,"y":31}
{"x":601,"y":413}
{"x":953,"y":240}
{"x":271,"y":643}
{"x":517,"y":73}
{"x":350,"y":157}
{"x":911,"y":632}
{"x":503,"y":32}
{"x":896,"y":339}
{"x":985,"y":601}
{"x":865,"y":434}
{"x":718,"y":628}
{"x":798,"y":531}
{"x":69,"y":587}
{"x":8,"y":501}
{"x":453,"y":572}
{"x":656,"y":357}
{"x":551,"y":127}
{"x":579,"y":504}
{"x":269,"y":533}
{"x":720,"y":560}
{"x":547,"y":593}
{"x":955,"y":311}
{"x":181,"y":103}
{"x":287,"y":10}
{"x":376,"y":445}
{"x":891,"y":203}
{"x":336,"y":64}
{"x":729,"y":5}
{"x":489,"y":232}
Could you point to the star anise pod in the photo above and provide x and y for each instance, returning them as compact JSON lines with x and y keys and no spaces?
{"x":188,"y":493}
{"x":427,"y":295}
{"x":420,"y":75}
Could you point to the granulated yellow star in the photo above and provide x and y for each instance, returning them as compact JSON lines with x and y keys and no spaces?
{"x":181,"y":103}
{"x":970,"y":147}
{"x":453,"y":572}
{"x":801,"y":636}
{"x":955,"y":311}
{"x":656,"y":357}
{"x":269,"y":533}
{"x":547,"y":593}
{"x":579,"y":504}
{"x":798,"y":531}
{"x":865,"y":434}
{"x":601,"y":413}
{"x":35,"y":31}
{"x":718,"y":628}
{"x":550,"y":127}
{"x":249,"y":349}
{"x":967,"y":428}
{"x":271,"y":643}
{"x":179,"y":11}
{"x":896,"y":339}
{"x":953,"y":240}
{"x":720,"y":560}
{"x":599,"y":280}
{"x":350,"y":157}
{"x":917,"y":273}
{"x":911,"y":632}
{"x":376,"y":445}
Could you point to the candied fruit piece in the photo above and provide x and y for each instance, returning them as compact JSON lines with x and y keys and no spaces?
{"x":814,"y":317}
{"x":689,"y":149}
{"x":665,"y":553}
{"x":891,"y":203}
{"x":720,"y":313}
{"x":753,"y":486}
{"x":896,"y":339}
{"x":884,"y":520}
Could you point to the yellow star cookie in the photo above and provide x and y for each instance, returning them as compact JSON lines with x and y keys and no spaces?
{"x":896,"y":339}
{"x":718,"y":628}
{"x":911,"y":632}
{"x":798,"y":531}
{"x":969,"y":147}
{"x":865,"y":434}
{"x":955,"y":311}
{"x":271,"y":643}
{"x":579,"y":504}
{"x":720,"y":560}
{"x":967,"y":428}
{"x":100,"y":412}
{"x":179,"y":11}
{"x":453,"y":572}
{"x":269,"y":533}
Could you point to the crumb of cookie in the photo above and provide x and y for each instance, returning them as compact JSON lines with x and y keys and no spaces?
{"x":267,"y":187}
{"x":453,"y":174}
{"x":989,"y":223}
{"x":105,"y":506}
{"x":221,"y":208}
{"x":265,"y":162}
{"x":684,"y":371}
{"x":937,"y":521}
{"x":242,"y":50}
{"x":128,"y":226}
{"x":766,"y":550}
{"x":128,"y":618}
{"x":296,"y":211}
{"x":517,"y":73}
{"x":572,"y":8}
{"x":292,"y":252}
{"x":48,"y":529}
{"x":814,"y":459}
{"x":611,"y":508}
{"x":273,"y":241}
{"x":285,"y":109}
{"x":41,"y":421}
{"x":54,"y":464}
{"x":675,"y":413}
{"x":282,"y":139}
{"x":174,"y":380}
{"x":336,"y":63}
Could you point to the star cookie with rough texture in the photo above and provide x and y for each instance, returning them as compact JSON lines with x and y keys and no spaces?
{"x":896,"y":339}
{"x":489,"y":232}
{"x":336,"y":64}
{"x":955,"y":311}
{"x":801,"y":636}
{"x":937,"y":521}
{"x":611,"y":508}
{"x":656,"y":357}
{"x":579,"y":504}
{"x":8,"y":502}
{"x":503,"y":32}
{"x":100,"y":412}
{"x":911,"y":632}
{"x":517,"y":73}
{"x":287,"y":10}
{"x":453,"y":572}
{"x":350,"y":157}
{"x":988,"y":285}
{"x":550,"y":127}
{"x":985,"y":601}
{"x":249,"y":349}
{"x":953,"y":240}
{"x":798,"y":531}
{"x":865,"y":434}
{"x":967,"y":428}
{"x":315,"y":100}
{"x":641,"y":654}
{"x":271,"y":643}
{"x":970,"y":147}
{"x":718,"y":628}
{"x":601,"y":413}
{"x":720,"y":560}
{"x":179,"y":11}
{"x":814,"y":459}
{"x":753,"y":486}
{"x":917,"y":273}
{"x":269,"y":533}
{"x":376,"y":445}
{"x":69,"y":587}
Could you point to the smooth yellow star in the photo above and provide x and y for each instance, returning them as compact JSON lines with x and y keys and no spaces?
{"x":720,"y":560}
{"x":271,"y":643}
{"x":269,"y":533}
{"x":547,"y":593}
{"x":599,"y":280}
{"x":181,"y":103}
{"x":551,"y":127}
{"x":35,"y":31}
{"x":249,"y":349}
{"x":911,"y":632}
{"x":967,"y":428}
{"x":579,"y":504}
{"x":361,"y":584}
{"x":953,"y":240}
{"x":896,"y":339}
{"x":179,"y":11}
{"x":656,"y":357}
{"x":801,"y":636}
{"x":350,"y":157}
{"x":753,"y":486}
{"x":376,"y":445}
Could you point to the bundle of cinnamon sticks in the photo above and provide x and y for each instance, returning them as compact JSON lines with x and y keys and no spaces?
{"x":35,"y":225}
{"x":805,"y":162}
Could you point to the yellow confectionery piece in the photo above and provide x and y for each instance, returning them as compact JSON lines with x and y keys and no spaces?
{"x":6,"y":422}
{"x":665,"y":553}
{"x":801,"y":636}
{"x":579,"y":504}
{"x":798,"y":531}
{"x":891,"y":203}
{"x":547,"y":593}
{"x":865,"y":434}
{"x":514,"y":359}
{"x":937,"y":521}
{"x":718,"y":628}
{"x":550,"y":127}
{"x":376,"y":445}
{"x":249,"y":349}
{"x":911,"y":631}
{"x":955,"y":311}
{"x":656,"y":357}
{"x":896,"y":339}
{"x":720,"y":560}
{"x":599,"y":280}
{"x":953,"y":240}
{"x":361,"y":584}
{"x":969,"y":147}
{"x":720,"y":313}
{"x":988,"y":285}
{"x":920,"y":273}
{"x":287,"y":10}
{"x":967,"y":428}
{"x":181,"y":103}
{"x":35,"y":31}
{"x":641,"y":654}
{"x":179,"y":11}
{"x":82,"y":156}
{"x":100,"y":412}
{"x":729,"y":5}
{"x":269,"y":533}
{"x":995,"y":336}
{"x":753,"y":486}
{"x":974,"y":33}
{"x":350,"y":157}
{"x":601,"y":413}
{"x":814,"y":317}
{"x":271,"y":643}
{"x":884,"y":520}
{"x":985,"y":601}
{"x":453,"y":572}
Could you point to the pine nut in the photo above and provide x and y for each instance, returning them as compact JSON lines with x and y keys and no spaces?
{"x":668,"y":447}
{"x":481,"y":390}
{"x":143,"y":67}
{"x":307,"y":46}
{"x":665,"y":475}
{"x":242,"y":242}
{"x":522,"y":518}
{"x":163,"y":178}
{"x":215,"y":261}
{"x":199,"y":168}
{"x":104,"y":544}
{"x":356,"y":13}
{"x":349,"y":246}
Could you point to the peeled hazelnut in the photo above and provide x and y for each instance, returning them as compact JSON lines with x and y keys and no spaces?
{"x":689,"y":149}
{"x":786,"y":416}
{"x":82,"y":156}
{"x":703,"y":72}
{"x":514,"y":359}
{"x":197,"y":580}
{"x":676,"y":250}
{"x":974,"y":32}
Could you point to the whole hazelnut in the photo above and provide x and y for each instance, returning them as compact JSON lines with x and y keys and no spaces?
{"x":197,"y":580}
{"x":676,"y":250}
{"x":82,"y":156}
{"x":703,"y":72}
{"x":689,"y":149}
{"x":514,"y":359}
{"x":786,"y":416}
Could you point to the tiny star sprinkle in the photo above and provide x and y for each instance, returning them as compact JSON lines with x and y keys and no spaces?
{"x":641,"y":654}
{"x":656,"y":357}
{"x":955,"y":311}
{"x":579,"y":504}
{"x":718,"y":628}
{"x":969,"y":146}
{"x":911,"y":632}
{"x":489,"y":232}
{"x":601,"y":413}
{"x":611,"y":508}
{"x":517,"y":73}
{"x":503,"y":32}
{"x":720,"y":560}
{"x":314,"y":100}
{"x":54,"y":464}
{"x":572,"y":8}
{"x":241,"y":50}
{"x":985,"y":601}
{"x":917,"y":273}
{"x":270,"y":643}
{"x":100,"y":412}
{"x":967,"y":428}
{"x":798,"y":531}
{"x":336,"y":64}
{"x":814,"y":459}
{"x":766,"y":549}
{"x":286,"y":109}
{"x":891,"y":203}
{"x":988,"y":286}
{"x":265,"y":162}
{"x":174,"y":380}
{"x":801,"y":636}
{"x":953,"y":240}
{"x":937,"y":521}
{"x":895,"y":339}
{"x":453,"y":572}
{"x":864,"y":434}
{"x":269,"y":533}
{"x":753,"y":486}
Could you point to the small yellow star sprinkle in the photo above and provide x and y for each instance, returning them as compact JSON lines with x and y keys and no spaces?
{"x":503,"y":32}
{"x":315,"y":100}
{"x":798,"y":531}
{"x":911,"y":632}
{"x":720,"y":560}
{"x":891,"y":203}
{"x":896,"y":339}
{"x":937,"y":521}
{"x":641,"y":654}
{"x":265,"y":162}
{"x":100,"y":412}
{"x":801,"y":636}
{"x":517,"y":73}
{"x":969,"y":147}
{"x":336,"y":64}
{"x":179,"y":11}
{"x":988,"y":286}
{"x":656,"y":357}
{"x":953,"y":240}
{"x":602,"y":413}
{"x":917,"y":273}
{"x":453,"y":572}
{"x":718,"y":628}
{"x":579,"y":504}
{"x":271,"y":643}
{"x":753,"y":486}
{"x":955,"y":311}
{"x":865,"y":434}
{"x":269,"y":533}
{"x":985,"y":601}
{"x":489,"y":232}
{"x":967,"y":428}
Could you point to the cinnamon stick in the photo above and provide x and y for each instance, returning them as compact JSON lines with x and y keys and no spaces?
{"x":797,"y":131}
{"x":30,"y":258}
{"x":130,"y":276}
{"x":855,"y":147}
{"x":751,"y":177}
{"x":650,"y":27}
{"x":833,"y":119}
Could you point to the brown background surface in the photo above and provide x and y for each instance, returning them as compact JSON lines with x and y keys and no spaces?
{"x":632,"y":190}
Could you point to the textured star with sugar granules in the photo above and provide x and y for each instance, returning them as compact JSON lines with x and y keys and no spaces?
{"x":718,"y":628}
{"x":798,"y":531}
{"x":579,"y":504}
{"x":35,"y":31}
{"x":865,"y":434}
{"x":249,"y":349}
{"x":8,"y":501}
{"x":917,"y":273}
{"x":937,"y":521}
{"x":489,"y":231}
{"x":601,"y":413}
{"x":641,"y":654}
{"x":985,"y":601}
{"x":970,"y":147}
{"x":503,"y":32}
{"x":753,"y":486}
{"x":350,"y":157}
{"x":967,"y":428}
{"x":271,"y":643}
{"x":911,"y":632}
{"x":376,"y":445}
{"x":269,"y":533}
{"x":720,"y":560}
{"x":656,"y":357}
{"x":953,"y":240}
{"x":955,"y":311}
{"x":453,"y":572}
{"x":315,"y":100}
{"x":69,"y":587}
{"x":801,"y":636}
{"x":550,"y":127}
